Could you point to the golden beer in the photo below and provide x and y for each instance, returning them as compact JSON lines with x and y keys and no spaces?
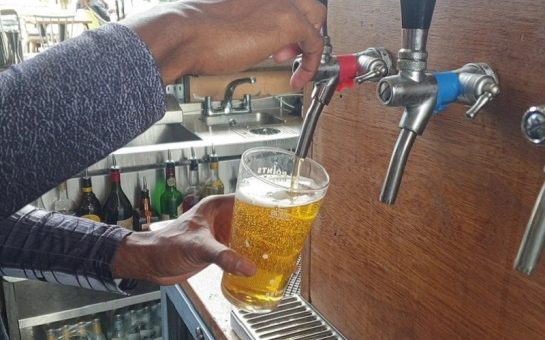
{"x":270,"y":225}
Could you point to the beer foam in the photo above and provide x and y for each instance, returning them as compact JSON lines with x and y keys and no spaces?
{"x":257,"y":192}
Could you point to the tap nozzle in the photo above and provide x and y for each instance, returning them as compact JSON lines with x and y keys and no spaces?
{"x":532,"y":243}
{"x":396,"y":168}
{"x":227,"y":103}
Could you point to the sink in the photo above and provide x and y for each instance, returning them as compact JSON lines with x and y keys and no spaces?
{"x":243,"y":119}
{"x":164,"y":133}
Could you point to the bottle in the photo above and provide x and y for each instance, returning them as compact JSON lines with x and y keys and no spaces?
{"x":145,"y":211}
{"x":63,"y":204}
{"x":50,"y":334}
{"x":192,"y":192}
{"x":82,"y":331}
{"x":171,"y":198}
{"x":117,"y":209}
{"x":66,"y":332}
{"x":97,"y":330}
{"x":88,"y":207}
{"x":213,"y":185}
{"x":146,"y":329}
{"x":119,"y":328}
{"x":133,"y":332}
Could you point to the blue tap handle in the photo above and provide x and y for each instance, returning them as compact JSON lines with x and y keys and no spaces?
{"x":448,"y":90}
{"x":416,"y":14}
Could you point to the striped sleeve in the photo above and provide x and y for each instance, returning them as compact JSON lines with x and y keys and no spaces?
{"x":52,"y":247}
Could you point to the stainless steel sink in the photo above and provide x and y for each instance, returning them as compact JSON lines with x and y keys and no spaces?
{"x":243,"y":119}
{"x":164,"y":133}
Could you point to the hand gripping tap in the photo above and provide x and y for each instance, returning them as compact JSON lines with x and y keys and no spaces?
{"x":337,"y":72}
{"x":424,"y":94}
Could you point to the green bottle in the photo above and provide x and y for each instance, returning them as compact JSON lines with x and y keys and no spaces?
{"x":171,"y":198}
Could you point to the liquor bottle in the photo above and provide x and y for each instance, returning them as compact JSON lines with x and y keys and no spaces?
{"x":88,"y":207}
{"x":119,"y":328}
{"x":97,"y":330}
{"x":192,"y":192}
{"x":171,"y":198}
{"x":213,"y":185}
{"x":117,"y":209}
{"x":50,"y":335}
{"x":63,"y":204}
{"x":145,"y":211}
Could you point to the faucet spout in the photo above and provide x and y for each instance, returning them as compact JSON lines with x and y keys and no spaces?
{"x":230,"y":90}
{"x":396,"y":168}
{"x":532,"y":243}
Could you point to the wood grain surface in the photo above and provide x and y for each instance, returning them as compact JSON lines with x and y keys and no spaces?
{"x":438,"y":263}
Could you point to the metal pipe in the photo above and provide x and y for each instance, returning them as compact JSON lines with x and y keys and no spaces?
{"x":532,"y":243}
{"x":309,"y":125}
{"x":396,"y":168}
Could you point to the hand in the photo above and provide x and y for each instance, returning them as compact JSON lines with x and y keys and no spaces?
{"x":183,"y":248}
{"x":206,"y":37}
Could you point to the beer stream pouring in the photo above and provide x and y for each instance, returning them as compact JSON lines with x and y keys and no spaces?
{"x":335,"y":73}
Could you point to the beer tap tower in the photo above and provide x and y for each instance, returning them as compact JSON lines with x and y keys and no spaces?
{"x":335,"y":73}
{"x":424,"y":94}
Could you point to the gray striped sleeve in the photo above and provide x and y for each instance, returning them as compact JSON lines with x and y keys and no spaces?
{"x":71,"y":106}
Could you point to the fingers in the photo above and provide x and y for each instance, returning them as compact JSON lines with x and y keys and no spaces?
{"x":312,"y":48}
{"x":311,"y":44}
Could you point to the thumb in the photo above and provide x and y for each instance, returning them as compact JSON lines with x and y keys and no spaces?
{"x":234,"y":263}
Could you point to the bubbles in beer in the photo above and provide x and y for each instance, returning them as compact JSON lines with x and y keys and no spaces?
{"x":270,"y":225}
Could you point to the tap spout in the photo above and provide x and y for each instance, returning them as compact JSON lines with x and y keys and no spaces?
{"x":230,"y":89}
{"x":396,"y":168}
{"x":532,"y":243}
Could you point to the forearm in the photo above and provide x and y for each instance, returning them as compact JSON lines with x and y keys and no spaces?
{"x":51,"y":247}
{"x":72,"y":105}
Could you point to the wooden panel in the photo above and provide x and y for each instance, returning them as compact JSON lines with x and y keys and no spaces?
{"x":437,"y":264}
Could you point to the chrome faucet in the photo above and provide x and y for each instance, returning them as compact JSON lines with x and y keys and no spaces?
{"x":531,"y":247}
{"x":337,"y":72}
{"x":424,"y":94}
{"x":226,"y":106}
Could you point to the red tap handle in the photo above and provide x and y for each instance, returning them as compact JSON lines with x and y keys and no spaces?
{"x":348,"y":70}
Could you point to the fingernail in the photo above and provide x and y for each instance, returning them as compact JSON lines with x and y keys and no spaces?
{"x":245,"y":267}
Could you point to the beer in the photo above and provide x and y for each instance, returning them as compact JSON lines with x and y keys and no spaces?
{"x":270,"y":225}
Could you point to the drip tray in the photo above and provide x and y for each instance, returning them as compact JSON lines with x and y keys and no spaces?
{"x":294,"y":319}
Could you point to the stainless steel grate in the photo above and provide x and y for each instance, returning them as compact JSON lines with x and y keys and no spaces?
{"x":294,"y":284}
{"x":294,"y":319}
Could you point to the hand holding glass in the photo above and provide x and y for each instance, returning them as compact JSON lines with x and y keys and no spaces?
{"x":272,"y":218}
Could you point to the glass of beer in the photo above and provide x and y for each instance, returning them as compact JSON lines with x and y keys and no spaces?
{"x":277,"y":199}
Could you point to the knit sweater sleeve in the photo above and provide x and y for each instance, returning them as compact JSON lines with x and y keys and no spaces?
{"x":71,"y":106}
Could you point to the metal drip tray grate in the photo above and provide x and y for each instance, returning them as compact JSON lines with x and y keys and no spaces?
{"x":293,"y":319}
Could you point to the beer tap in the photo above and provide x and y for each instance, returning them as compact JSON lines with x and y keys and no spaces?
{"x":335,"y":73}
{"x":423,"y":94}
{"x":531,"y":247}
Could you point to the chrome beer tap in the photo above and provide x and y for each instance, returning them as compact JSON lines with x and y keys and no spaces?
{"x":531,"y":247}
{"x":336,"y":72}
{"x":424,"y":94}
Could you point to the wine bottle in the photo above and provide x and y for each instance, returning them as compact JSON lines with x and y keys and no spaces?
{"x":117,"y":209}
{"x":63,"y":204}
{"x":192,"y":192}
{"x":171,"y":198}
{"x":213,"y":185}
{"x":89,"y":206}
{"x":145,"y":211}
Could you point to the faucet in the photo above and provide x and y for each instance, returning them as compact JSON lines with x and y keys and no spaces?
{"x":226,"y":106}
{"x":423,"y":94}
{"x":335,"y":73}
{"x":531,"y":247}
